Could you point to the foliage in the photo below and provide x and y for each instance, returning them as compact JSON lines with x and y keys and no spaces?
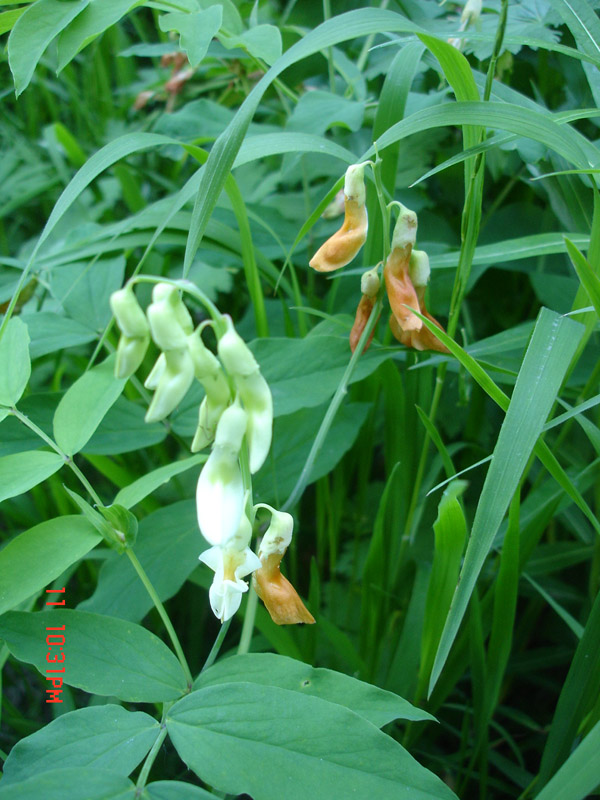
{"x":445,"y":501}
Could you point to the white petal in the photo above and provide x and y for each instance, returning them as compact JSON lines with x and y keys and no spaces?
{"x":213,"y":558}
{"x":220,"y":497}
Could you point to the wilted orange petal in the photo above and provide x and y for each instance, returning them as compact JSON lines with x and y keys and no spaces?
{"x":425,"y":339}
{"x":401,"y":293}
{"x":341,"y":248}
{"x":363,"y":312}
{"x":279,"y":596}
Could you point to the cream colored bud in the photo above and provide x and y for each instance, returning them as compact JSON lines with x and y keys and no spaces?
{"x":205,"y":363}
{"x":354,"y":183}
{"x":209,"y":415}
{"x":418,"y":268}
{"x":405,"y":230}
{"x":279,"y":533}
{"x":220,"y":496}
{"x":128,"y":314}
{"x":231,"y":429}
{"x":173,"y":384}
{"x":234,"y":353}
{"x":156,"y":372}
{"x":471,"y":13}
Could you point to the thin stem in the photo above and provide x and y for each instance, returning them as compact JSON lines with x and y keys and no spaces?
{"x":248,"y":626}
{"x":364,"y":53}
{"x":163,"y":615}
{"x":330,"y":64}
{"x":186,"y":286}
{"x":214,"y":652}
{"x":150,"y":758}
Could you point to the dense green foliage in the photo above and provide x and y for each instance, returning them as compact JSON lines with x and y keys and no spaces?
{"x":445,"y":505}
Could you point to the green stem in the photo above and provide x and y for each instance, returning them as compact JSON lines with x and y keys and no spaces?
{"x":163,"y":615}
{"x":186,"y":286}
{"x":330,"y":64}
{"x":214,"y":652}
{"x":249,"y":617}
{"x":150,"y":758}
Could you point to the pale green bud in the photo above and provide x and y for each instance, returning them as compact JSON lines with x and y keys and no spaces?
{"x":231,"y":429}
{"x":208,"y":419}
{"x":128,"y":314}
{"x":169,"y":319}
{"x":173,"y":384}
{"x":130,"y":354}
{"x":165,"y":291}
{"x":235,"y":354}
{"x":156,"y":373}
{"x":419,"y":268}
{"x":370,"y":283}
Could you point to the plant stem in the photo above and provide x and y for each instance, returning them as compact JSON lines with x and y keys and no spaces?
{"x":330,"y":64}
{"x":163,"y":615}
{"x":214,"y":651}
{"x":248,"y":626}
{"x":150,"y":758}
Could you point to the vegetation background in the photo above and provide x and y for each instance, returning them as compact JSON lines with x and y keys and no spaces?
{"x":202,"y":139}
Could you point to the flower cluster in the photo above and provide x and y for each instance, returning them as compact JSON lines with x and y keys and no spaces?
{"x":236,"y":418}
{"x":406,"y":271}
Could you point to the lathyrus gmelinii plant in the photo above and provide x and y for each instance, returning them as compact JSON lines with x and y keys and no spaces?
{"x":406,"y":271}
{"x":236,"y":418}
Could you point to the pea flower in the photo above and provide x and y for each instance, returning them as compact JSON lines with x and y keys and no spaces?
{"x":423,"y":339}
{"x":341,"y":248}
{"x":135,"y":333}
{"x":277,"y":593}
{"x":400,"y":289}
{"x":208,"y":371}
{"x":231,"y":562}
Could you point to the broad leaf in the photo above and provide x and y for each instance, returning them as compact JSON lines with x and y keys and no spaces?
{"x":21,"y":471}
{"x":15,"y":364}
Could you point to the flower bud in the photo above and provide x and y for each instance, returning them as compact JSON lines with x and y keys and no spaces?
{"x":231,"y":429}
{"x":343,"y":246}
{"x":128,"y":314}
{"x":209,"y":415}
{"x":405,"y":232}
{"x":471,"y":13}
{"x":173,"y":384}
{"x":235,"y":354}
{"x":156,"y":373}
{"x":370,"y":283}
{"x":130,"y":354}
{"x":419,"y":269}
{"x":169,"y":319}
{"x":363,"y":312}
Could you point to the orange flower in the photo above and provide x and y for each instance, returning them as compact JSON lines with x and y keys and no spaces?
{"x":369,"y":284}
{"x":341,"y":248}
{"x":277,"y":593}
{"x":400,"y":289}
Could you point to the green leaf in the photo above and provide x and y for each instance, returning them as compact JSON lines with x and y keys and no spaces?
{"x":15,"y":365}
{"x":33,"y":32}
{"x":546,"y":361}
{"x":262,"y":41}
{"x":373,"y":704}
{"x":450,"y":530}
{"x":222,"y":732}
{"x":8,"y":19}
{"x":585,"y":273}
{"x":579,"y":693}
{"x":35,"y":558}
{"x":138,"y":490}
{"x":303,"y":373}
{"x":293,"y":436}
{"x":84,"y":406}
{"x":65,"y":784}
{"x":21,"y":471}
{"x":196,"y":30}
{"x":123,"y":429}
{"x":105,"y":737}
{"x":579,"y":775}
{"x":167,"y":546}
{"x":84,"y":289}
{"x":93,"y":20}
{"x":104,"y":655}
{"x":49,"y":332}
{"x":176,"y":790}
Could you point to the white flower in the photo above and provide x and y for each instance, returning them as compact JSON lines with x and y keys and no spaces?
{"x":230,"y":566}
{"x":220,"y":497}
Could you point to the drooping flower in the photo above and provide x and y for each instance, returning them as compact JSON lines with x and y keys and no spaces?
{"x":423,"y":339}
{"x":279,"y":596}
{"x":231,"y":562}
{"x":400,"y":290}
{"x":341,"y":248}
{"x":208,"y":371}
